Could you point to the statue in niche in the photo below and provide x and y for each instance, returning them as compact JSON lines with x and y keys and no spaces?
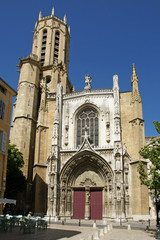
{"x":118,"y":163}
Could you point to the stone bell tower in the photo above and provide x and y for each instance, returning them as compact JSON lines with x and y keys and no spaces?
{"x":133,"y":136}
{"x":34,"y":110}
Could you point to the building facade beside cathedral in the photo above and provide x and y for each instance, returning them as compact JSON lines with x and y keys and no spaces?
{"x":81,"y":149}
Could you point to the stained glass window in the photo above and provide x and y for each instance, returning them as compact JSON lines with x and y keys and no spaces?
{"x":87,"y":123}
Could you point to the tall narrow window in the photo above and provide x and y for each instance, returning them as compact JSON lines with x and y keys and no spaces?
{"x":43,"y":48}
{"x":87,"y":123}
{"x":3,"y":140}
{"x":56,"y":46}
{"x":2,"y":109}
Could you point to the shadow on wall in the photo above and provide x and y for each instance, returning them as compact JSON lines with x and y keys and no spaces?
{"x":39,"y":196}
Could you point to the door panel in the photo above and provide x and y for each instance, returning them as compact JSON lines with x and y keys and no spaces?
{"x":79,"y":204}
{"x":96,"y":204}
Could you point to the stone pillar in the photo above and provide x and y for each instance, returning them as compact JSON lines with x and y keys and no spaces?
{"x":105,"y":203}
{"x":68,"y":202}
{"x":62,"y":206}
{"x":87,"y":203}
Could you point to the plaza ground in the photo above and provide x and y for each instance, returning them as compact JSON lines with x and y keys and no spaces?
{"x":75,"y":230}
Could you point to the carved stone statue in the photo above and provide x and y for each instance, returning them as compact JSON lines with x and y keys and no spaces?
{"x":88,"y":81}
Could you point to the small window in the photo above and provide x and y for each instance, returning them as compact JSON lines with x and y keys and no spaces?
{"x":3,"y":90}
{"x":2,"y":109}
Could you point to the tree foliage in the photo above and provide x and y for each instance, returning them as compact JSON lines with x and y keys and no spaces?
{"x":15,"y":181}
{"x":151,"y":178}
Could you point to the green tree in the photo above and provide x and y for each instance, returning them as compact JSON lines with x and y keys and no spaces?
{"x":15,"y":181}
{"x":151,"y":177}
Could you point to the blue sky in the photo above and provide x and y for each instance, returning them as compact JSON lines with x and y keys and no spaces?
{"x":107,"y":37}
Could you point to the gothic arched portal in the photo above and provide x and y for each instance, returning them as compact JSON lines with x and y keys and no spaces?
{"x":86,"y":178}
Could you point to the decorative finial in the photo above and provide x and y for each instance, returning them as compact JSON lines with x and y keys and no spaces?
{"x":88,"y":81}
{"x":69,"y":29}
{"x":73,"y":88}
{"x":53,"y":11}
{"x":40,"y":15}
{"x":65,"y":19}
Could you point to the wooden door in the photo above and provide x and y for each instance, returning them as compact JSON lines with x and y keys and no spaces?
{"x":79,"y":204}
{"x":96,"y":204}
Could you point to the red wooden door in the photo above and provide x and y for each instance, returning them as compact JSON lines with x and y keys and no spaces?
{"x":79,"y":204}
{"x":96,"y":204}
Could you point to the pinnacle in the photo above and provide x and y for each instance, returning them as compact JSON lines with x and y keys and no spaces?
{"x":134,"y":74}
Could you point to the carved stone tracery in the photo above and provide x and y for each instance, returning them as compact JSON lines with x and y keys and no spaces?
{"x":88,"y":183}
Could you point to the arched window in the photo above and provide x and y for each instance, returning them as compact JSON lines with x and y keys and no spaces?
{"x":43,"y":48}
{"x":87,"y":121}
{"x":56,"y":46}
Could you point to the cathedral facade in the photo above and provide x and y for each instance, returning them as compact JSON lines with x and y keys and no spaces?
{"x":81,"y":149}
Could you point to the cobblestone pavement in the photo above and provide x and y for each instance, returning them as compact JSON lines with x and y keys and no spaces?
{"x":84,"y":230}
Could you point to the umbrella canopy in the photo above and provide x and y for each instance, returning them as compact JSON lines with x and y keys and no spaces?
{"x":5,"y":200}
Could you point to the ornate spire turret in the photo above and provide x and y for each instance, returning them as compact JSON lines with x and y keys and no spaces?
{"x":135,"y":90}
